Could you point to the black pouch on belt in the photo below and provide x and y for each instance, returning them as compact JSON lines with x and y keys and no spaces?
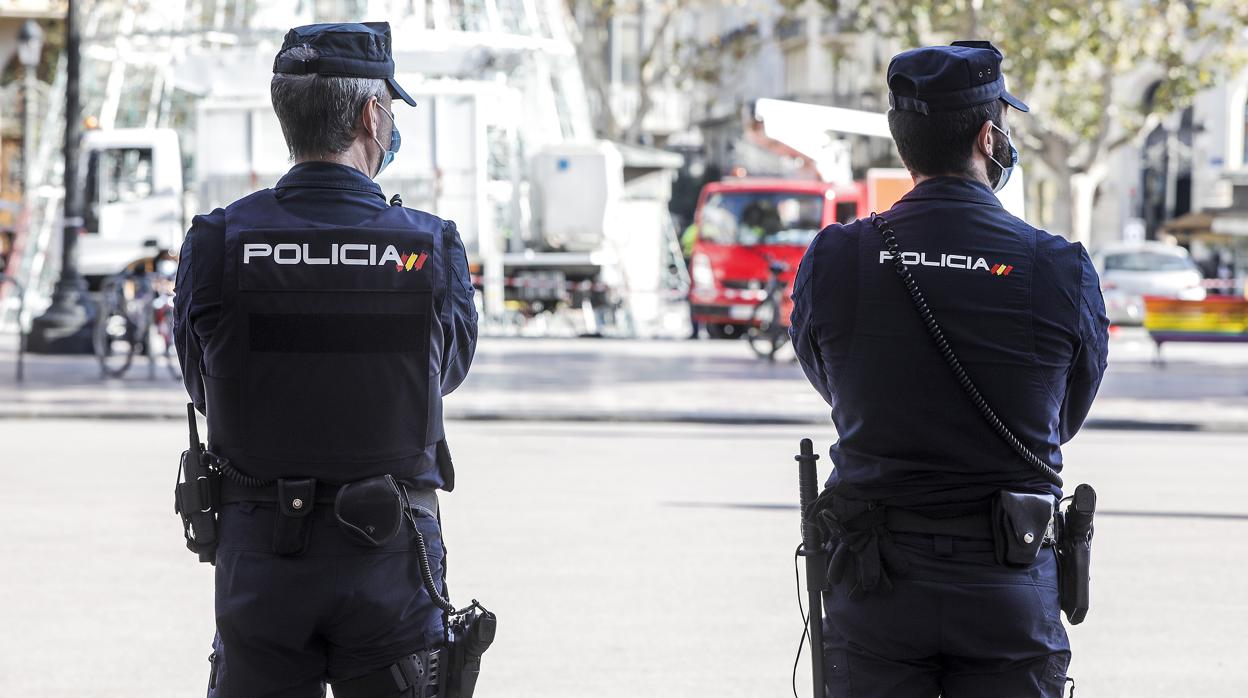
{"x":1019,"y":523}
{"x":371,"y":510}
{"x":295,"y":500}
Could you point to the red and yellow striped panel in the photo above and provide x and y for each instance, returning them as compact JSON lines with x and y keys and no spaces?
{"x":1215,"y":315}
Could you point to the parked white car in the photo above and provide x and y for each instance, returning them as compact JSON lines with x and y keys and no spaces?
{"x":1130,"y":271}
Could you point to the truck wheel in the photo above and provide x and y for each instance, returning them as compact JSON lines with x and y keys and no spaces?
{"x":723,"y":331}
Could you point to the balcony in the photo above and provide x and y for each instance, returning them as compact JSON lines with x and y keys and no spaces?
{"x":32,"y":9}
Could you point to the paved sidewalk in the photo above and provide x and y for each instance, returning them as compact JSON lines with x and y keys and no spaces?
{"x":1199,"y":387}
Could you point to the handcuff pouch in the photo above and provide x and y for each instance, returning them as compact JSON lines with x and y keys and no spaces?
{"x":370,"y":511}
{"x":1020,"y":521}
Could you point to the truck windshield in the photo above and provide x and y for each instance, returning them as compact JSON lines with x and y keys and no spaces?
{"x":761,"y":218}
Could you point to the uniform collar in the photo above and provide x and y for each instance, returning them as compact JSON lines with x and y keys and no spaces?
{"x":328,"y":175}
{"x":958,"y":188}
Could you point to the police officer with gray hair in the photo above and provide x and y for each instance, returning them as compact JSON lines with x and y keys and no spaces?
{"x":319,"y":328}
{"x":940,"y":515}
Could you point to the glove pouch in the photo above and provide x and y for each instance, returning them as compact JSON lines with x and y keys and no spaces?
{"x":370,"y":511}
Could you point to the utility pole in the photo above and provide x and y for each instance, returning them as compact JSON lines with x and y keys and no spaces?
{"x":65,"y":328}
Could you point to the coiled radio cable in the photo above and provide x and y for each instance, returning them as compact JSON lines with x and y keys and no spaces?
{"x":942,"y":344}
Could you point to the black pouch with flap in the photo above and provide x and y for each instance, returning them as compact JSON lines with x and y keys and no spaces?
{"x":370,"y":511}
{"x":295,"y":500}
{"x":1020,"y":521}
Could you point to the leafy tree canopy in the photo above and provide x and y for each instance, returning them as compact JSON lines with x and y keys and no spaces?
{"x":1064,"y":56}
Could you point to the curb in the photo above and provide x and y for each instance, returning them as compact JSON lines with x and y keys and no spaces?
{"x":48,"y":412}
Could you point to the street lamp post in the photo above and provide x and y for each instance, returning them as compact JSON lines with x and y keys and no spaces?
{"x":29,"y":50}
{"x":65,"y":328}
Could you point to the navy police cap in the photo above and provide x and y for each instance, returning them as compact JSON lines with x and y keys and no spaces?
{"x":343,"y":50}
{"x":945,"y":78}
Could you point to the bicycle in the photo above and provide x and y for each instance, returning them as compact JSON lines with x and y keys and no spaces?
{"x":136,"y":318}
{"x":768,"y":331}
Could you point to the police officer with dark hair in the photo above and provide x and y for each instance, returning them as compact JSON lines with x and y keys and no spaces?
{"x":926,"y":596}
{"x":318,"y":329}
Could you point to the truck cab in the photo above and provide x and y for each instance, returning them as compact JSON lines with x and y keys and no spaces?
{"x":133,"y":198}
{"x":745,"y":225}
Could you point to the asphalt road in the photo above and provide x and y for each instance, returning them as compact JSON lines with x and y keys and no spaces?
{"x":1199,"y":387}
{"x":623,"y":560}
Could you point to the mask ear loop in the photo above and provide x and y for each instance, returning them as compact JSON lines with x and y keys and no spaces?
{"x":1005,"y":171}
{"x":382,"y":158}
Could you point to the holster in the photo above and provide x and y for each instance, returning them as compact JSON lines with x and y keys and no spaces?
{"x":1074,"y":554}
{"x":471,"y":632}
{"x":296,"y":497}
{"x":196,"y":499}
{"x":1020,"y":522}
{"x":421,"y":674}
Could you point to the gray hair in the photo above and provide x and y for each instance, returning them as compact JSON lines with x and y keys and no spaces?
{"x":319,"y":114}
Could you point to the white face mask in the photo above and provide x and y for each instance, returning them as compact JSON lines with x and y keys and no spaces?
{"x":1005,"y":171}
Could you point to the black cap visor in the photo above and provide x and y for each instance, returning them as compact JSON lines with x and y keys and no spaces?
{"x":402,"y":94}
{"x":1013,"y":101}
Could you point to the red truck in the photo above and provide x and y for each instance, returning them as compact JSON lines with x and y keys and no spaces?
{"x":747,"y":225}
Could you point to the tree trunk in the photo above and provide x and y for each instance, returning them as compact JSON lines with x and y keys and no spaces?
{"x":1083,"y":187}
{"x":1063,"y":201}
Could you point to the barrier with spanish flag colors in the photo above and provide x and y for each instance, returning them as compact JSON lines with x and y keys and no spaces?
{"x":1215,"y":319}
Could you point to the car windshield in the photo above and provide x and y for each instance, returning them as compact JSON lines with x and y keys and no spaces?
{"x":1147,"y":261}
{"x":761,"y":218}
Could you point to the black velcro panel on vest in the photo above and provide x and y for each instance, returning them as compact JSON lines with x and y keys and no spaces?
{"x":338,"y":334}
{"x":335,"y":375}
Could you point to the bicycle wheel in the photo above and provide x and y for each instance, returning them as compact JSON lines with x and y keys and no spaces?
{"x":160,"y":340}
{"x":766,"y":334}
{"x":114,"y":338}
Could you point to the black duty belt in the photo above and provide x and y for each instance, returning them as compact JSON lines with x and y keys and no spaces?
{"x":234,"y":492}
{"x":978,"y":526}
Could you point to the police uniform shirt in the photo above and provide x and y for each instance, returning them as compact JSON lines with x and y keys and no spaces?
{"x":1021,"y":308}
{"x":332,"y":194}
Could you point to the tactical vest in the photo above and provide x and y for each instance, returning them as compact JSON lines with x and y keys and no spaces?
{"x":326,"y":355}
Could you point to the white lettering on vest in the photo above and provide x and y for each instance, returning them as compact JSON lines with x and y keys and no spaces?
{"x":353,"y":254}
{"x":948,"y":261}
{"x":255,"y":249}
{"x":351,"y":247}
{"x":309,"y":259}
{"x":288,"y":247}
{"x":390,"y":255}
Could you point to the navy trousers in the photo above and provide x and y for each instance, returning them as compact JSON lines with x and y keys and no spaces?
{"x":286,"y":625}
{"x":956,"y":625}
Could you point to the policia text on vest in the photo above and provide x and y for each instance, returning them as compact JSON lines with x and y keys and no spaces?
{"x":319,"y":329}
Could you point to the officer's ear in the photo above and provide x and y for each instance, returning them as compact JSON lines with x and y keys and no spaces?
{"x":370,"y":119}
{"x":986,"y":139}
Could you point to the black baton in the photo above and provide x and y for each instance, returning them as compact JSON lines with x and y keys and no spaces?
{"x":816,"y":566}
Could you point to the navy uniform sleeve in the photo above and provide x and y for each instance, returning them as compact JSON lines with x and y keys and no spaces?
{"x":459,"y":312}
{"x":197,"y":298}
{"x":1092,"y":356}
{"x":801,"y":323}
